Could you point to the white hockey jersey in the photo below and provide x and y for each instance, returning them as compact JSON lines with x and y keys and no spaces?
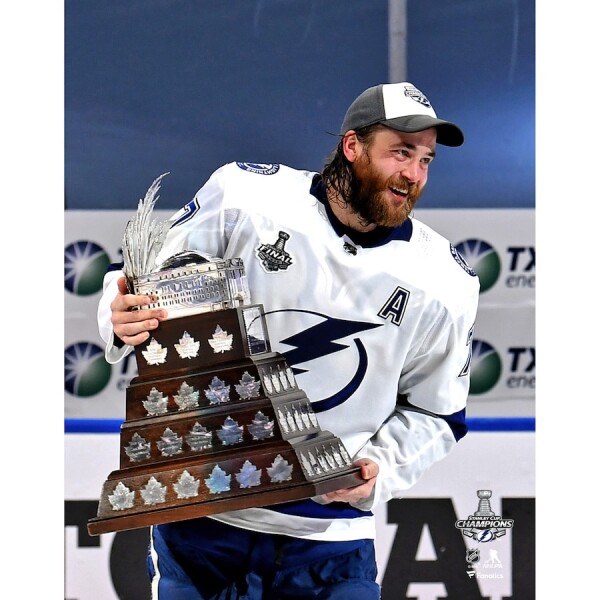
{"x":377,"y":328}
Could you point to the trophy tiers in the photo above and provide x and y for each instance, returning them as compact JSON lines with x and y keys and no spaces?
{"x":212,"y":427}
{"x":215,"y":421}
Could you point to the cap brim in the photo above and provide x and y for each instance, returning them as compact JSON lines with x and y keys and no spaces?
{"x":448,"y":134}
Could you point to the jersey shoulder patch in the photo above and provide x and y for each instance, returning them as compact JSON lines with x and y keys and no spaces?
{"x":461,"y":261}
{"x":259,"y":168}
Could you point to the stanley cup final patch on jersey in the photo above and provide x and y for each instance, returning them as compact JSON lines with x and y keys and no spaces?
{"x":274,"y":257}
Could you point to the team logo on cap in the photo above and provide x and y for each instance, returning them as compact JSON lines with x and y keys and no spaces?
{"x":417,"y":95}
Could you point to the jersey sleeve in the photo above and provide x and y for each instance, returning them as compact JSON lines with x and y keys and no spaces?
{"x":429,"y":417}
{"x":113,"y":353}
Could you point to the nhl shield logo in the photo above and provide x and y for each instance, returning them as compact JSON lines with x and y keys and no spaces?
{"x":472,"y":555}
{"x":274,"y":257}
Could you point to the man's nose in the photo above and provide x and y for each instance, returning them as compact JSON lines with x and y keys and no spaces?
{"x":410,"y":170}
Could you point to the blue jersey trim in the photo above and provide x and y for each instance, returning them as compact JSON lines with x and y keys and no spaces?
{"x":402,"y":233}
{"x":115,"y":267}
{"x":314,"y":510}
{"x":371,"y":239}
{"x":456,"y":421}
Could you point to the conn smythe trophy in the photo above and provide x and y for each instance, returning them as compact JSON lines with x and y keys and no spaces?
{"x":215,"y":420}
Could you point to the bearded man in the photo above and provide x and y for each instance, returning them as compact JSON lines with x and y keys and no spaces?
{"x":374,"y":311}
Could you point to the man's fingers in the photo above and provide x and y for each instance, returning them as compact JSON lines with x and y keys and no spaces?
{"x":127,"y":301}
{"x":133,"y":326}
{"x":137,"y":316}
{"x":350,"y":494}
{"x":122,"y":284}
{"x":369,"y":470}
{"x":134,"y":340}
{"x":135,"y":332}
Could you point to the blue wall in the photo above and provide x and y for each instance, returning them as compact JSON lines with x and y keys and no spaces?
{"x":478,"y":57}
{"x":186,"y":85}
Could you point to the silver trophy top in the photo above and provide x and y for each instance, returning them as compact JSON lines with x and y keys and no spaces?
{"x":143,"y":237}
{"x":186,"y":283}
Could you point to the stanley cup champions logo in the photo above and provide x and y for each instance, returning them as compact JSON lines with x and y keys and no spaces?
{"x":484,"y":525}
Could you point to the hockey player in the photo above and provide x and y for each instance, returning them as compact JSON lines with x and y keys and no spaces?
{"x":373,"y":308}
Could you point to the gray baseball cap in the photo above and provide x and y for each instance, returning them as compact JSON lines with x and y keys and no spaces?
{"x":400,"y":106}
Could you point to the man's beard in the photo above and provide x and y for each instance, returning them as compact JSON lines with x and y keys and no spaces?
{"x":367,"y":196}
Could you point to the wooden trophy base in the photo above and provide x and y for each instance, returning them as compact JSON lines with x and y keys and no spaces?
{"x":253,"y":499}
{"x":216,"y":422}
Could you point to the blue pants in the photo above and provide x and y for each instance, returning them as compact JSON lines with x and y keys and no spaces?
{"x":203,"y":559}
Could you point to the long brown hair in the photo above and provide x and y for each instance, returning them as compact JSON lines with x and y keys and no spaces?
{"x":337,"y":173}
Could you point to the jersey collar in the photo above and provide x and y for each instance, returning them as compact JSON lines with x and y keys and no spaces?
{"x":370,"y":239}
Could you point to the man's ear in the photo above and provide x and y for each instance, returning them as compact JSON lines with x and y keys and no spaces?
{"x":351,"y":145}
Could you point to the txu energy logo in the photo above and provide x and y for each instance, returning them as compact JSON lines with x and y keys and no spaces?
{"x":86,"y":371}
{"x":486,"y":367}
{"x":483,"y":259}
{"x":85,"y":266}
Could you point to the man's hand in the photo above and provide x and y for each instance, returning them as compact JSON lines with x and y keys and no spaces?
{"x":132,"y":326}
{"x":369,"y":471}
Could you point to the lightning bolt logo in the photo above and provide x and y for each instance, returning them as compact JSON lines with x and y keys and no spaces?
{"x":317,"y":341}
